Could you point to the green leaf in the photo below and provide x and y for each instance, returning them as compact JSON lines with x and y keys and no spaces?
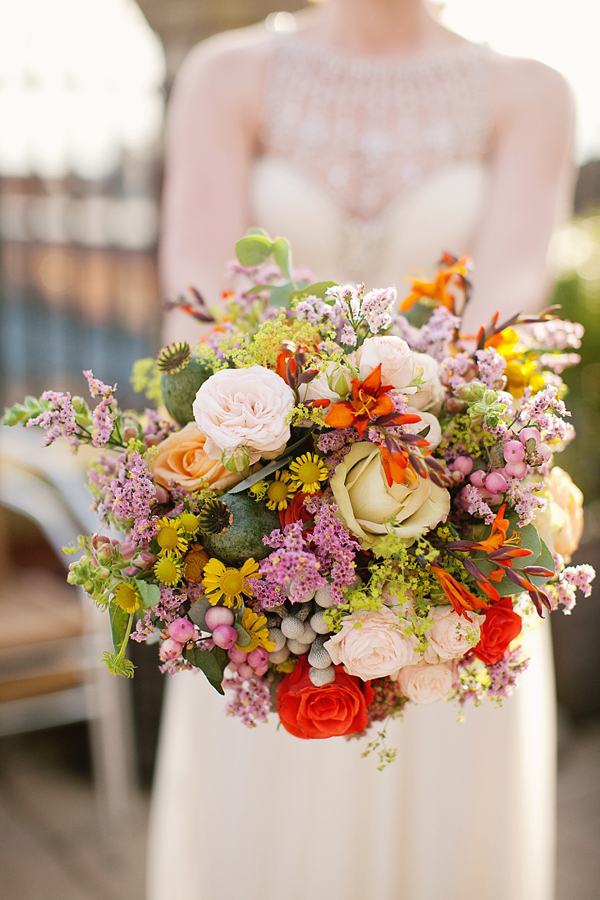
{"x":259,"y":231}
{"x":278,"y":463}
{"x":210,"y":662}
{"x":119,"y":620}
{"x":150,"y":593}
{"x":258,"y":476}
{"x":253,"y":249}
{"x":198,"y":611}
{"x":282,"y":256}
{"x":540,"y":556}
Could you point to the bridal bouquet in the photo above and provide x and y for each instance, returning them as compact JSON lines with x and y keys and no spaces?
{"x":339,"y":513}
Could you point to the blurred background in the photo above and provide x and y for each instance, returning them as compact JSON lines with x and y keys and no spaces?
{"x":83,"y":88}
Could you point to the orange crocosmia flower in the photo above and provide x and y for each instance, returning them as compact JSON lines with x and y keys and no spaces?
{"x":281,"y":364}
{"x":497,"y":535}
{"x":395,"y":466}
{"x":435,"y":290}
{"x":459,"y":596}
{"x":369,"y":401}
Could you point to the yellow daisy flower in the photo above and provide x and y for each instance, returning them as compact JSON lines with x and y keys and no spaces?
{"x":190,"y":523}
{"x":308,"y":471}
{"x":256,"y":626}
{"x":228,"y":584}
{"x":168,"y":569}
{"x":170,"y":536}
{"x":127,"y":597}
{"x":280,"y":491}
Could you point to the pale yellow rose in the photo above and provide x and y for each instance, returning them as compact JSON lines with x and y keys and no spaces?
{"x":181,"y":458}
{"x":560,"y":525}
{"x":367,"y":504}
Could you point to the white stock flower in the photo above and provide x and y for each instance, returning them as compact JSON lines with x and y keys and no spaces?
{"x":244,"y":407}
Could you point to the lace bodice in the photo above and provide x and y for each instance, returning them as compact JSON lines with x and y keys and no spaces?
{"x":372,"y":167}
{"x":371,"y":130}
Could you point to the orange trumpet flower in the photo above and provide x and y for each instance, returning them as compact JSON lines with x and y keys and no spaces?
{"x":459,"y":596}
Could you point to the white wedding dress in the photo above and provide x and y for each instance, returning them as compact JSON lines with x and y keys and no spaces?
{"x":370,"y":169}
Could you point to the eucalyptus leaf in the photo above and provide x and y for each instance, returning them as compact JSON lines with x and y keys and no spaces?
{"x":253,"y":250}
{"x":118,"y":624}
{"x":210,"y":663}
{"x":319,"y":289}
{"x":282,"y":256}
{"x":280,"y":294}
{"x":150,"y":593}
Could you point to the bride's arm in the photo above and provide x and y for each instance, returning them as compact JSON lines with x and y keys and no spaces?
{"x":530,"y":192}
{"x":211,"y":137}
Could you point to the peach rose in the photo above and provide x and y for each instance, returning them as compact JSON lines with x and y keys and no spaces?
{"x":244,"y":408}
{"x":451,"y":636}
{"x":426,"y":683}
{"x":561,"y":524}
{"x":370,"y":644}
{"x":367,"y":504}
{"x":181,"y":458}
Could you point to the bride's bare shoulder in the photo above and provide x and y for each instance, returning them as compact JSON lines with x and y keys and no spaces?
{"x":230,"y":64}
{"x":528,"y":91}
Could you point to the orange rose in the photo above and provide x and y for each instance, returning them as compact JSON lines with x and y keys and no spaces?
{"x":181,"y":458}
{"x":333,"y":709}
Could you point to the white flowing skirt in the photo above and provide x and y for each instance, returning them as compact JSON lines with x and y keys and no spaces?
{"x":466,"y":812}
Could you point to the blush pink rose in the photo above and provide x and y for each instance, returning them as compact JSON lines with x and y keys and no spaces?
{"x":426,"y":683}
{"x":244,"y":408}
{"x":370,"y":644}
{"x":452,"y":635}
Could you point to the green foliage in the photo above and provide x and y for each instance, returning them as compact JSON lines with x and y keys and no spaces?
{"x":211,"y":662}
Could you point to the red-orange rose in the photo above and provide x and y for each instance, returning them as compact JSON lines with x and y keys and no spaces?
{"x":333,"y":709}
{"x":296,"y":511}
{"x":501,"y":626}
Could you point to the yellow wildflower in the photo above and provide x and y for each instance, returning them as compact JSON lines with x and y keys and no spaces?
{"x":228,"y":584}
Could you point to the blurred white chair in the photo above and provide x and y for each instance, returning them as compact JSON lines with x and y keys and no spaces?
{"x":52,"y":635}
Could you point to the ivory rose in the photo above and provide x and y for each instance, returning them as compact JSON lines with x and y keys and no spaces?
{"x":426,"y":683}
{"x":371,"y":644}
{"x":451,"y":635}
{"x":561,"y":524}
{"x":181,"y":458}
{"x":367,"y":504}
{"x":244,"y":408}
{"x":399,"y":367}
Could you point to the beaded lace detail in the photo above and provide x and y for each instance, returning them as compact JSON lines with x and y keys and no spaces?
{"x":370,"y":131}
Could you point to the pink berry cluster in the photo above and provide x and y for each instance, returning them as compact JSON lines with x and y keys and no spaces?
{"x":520,"y":453}
{"x":180,"y":632}
{"x":219,"y":620}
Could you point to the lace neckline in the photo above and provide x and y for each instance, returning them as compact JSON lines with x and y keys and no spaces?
{"x":423,"y":61}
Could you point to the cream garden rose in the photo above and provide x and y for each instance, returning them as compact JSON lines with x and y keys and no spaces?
{"x":181,"y":458}
{"x":561,"y":524}
{"x":451,"y":635}
{"x":367,"y":504}
{"x":370,"y":644}
{"x":426,"y":683}
{"x":244,"y":408}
